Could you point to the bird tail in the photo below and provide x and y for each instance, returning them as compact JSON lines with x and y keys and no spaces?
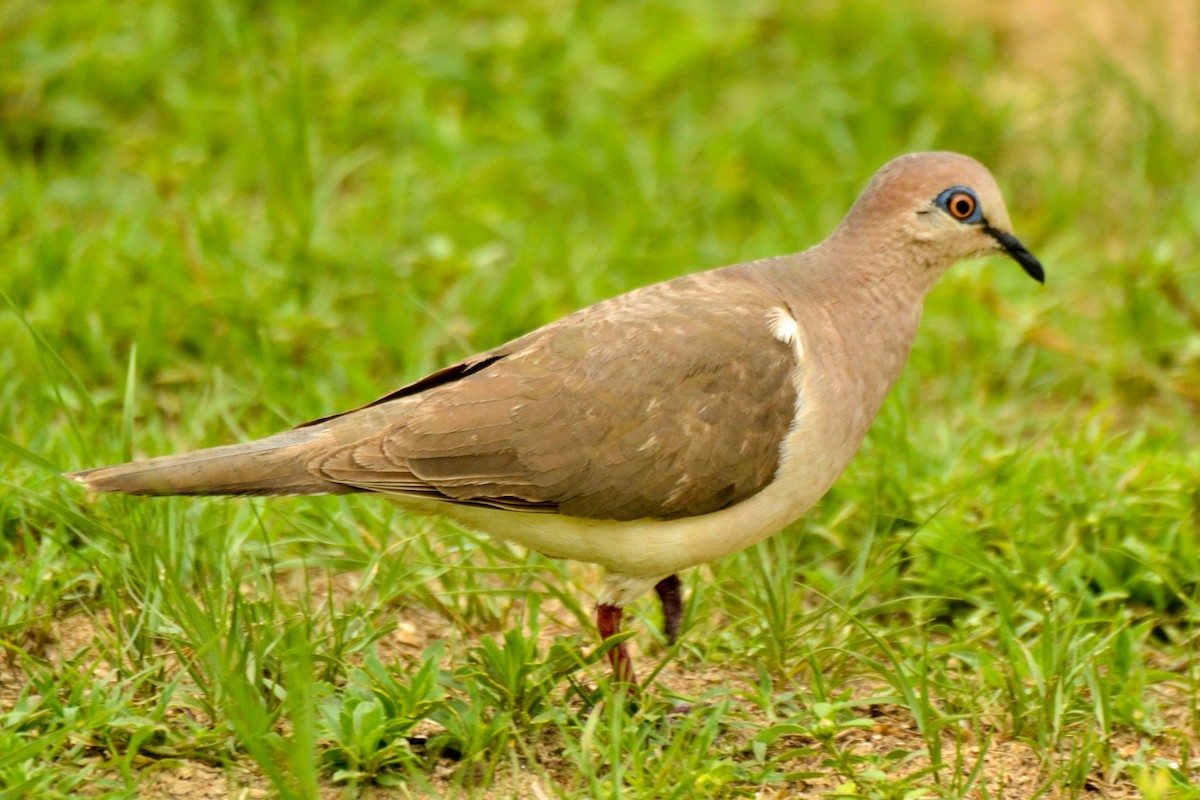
{"x":275,"y":465}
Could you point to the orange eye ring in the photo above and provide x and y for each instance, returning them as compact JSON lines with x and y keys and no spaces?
{"x":961,"y":205}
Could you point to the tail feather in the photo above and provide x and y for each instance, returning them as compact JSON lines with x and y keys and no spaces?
{"x":275,"y":465}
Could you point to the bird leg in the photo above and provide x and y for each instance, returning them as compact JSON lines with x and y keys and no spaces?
{"x":608,"y":621}
{"x":671,"y":597}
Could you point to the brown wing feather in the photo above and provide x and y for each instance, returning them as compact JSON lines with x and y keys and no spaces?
{"x":663,"y":403}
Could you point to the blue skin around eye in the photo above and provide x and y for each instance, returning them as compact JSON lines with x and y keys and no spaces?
{"x":943,"y":201}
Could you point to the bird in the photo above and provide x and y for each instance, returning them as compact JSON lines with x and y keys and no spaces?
{"x":657,"y":430}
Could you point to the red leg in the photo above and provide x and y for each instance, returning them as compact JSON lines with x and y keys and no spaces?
{"x":608,"y":621}
{"x":671,"y":597}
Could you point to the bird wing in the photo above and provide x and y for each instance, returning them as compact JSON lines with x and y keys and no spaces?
{"x":670,"y":401}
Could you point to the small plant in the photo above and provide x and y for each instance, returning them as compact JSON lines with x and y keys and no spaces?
{"x":514,"y":676}
{"x":369,"y":721}
{"x":505,"y":691}
{"x":863,"y":774}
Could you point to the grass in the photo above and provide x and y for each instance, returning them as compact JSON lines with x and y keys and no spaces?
{"x":220,"y":219}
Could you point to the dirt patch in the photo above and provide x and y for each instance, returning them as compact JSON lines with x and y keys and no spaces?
{"x":199,"y":781}
{"x":1047,"y":44}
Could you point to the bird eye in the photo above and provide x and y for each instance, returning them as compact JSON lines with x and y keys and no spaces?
{"x":961,"y":204}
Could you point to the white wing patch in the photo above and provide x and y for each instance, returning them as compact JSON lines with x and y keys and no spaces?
{"x":784,"y":328}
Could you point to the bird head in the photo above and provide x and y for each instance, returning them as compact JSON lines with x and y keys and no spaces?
{"x":943,"y":206}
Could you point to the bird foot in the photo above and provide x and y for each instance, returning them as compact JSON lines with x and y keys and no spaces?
{"x":670,"y":595}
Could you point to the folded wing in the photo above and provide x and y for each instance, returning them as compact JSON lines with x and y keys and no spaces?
{"x":663,"y":403}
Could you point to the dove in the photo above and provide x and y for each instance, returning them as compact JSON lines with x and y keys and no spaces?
{"x":659,"y":429}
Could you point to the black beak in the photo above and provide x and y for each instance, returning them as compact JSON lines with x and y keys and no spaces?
{"x":1013,"y":247}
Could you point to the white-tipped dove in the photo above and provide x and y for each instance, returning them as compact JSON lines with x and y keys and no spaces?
{"x":657,"y":430}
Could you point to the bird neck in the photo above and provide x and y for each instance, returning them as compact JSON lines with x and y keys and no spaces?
{"x":886,"y":259}
{"x":863,"y":312}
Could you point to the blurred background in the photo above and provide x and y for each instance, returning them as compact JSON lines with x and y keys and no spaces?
{"x":254,"y":192}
